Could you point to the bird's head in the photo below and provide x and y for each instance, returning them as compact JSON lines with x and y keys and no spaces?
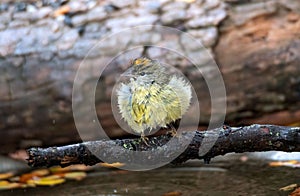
{"x":146,"y":70}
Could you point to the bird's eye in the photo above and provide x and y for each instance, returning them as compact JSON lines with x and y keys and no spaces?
{"x":142,"y":73}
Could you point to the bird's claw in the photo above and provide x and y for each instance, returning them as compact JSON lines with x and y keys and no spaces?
{"x":145,"y":140}
{"x":173,"y":133}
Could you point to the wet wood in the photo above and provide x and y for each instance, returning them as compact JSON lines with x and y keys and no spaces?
{"x":225,"y":140}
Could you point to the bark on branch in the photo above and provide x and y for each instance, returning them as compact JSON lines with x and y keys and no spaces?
{"x":202,"y":145}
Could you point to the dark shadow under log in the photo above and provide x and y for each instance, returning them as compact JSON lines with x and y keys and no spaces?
{"x":201,"y":145}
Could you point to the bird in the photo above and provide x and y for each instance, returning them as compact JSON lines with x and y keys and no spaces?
{"x":152,"y":98}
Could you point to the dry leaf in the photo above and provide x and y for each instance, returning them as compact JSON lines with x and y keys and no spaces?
{"x":295,"y":192}
{"x":25,"y":177}
{"x":40,"y":172}
{"x":47,"y":181}
{"x":5,"y":176}
{"x":289,"y":187}
{"x":4,"y":185}
{"x":78,"y":167}
{"x":75,"y":175}
{"x":110,"y":165}
{"x":291,"y":163}
{"x":4,"y":182}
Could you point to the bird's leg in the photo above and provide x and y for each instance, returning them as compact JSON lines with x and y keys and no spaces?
{"x":145,"y":139}
{"x":173,"y":131}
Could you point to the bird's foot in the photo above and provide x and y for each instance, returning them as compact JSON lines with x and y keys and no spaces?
{"x":145,"y":139}
{"x":172,"y":132}
{"x":226,"y":130}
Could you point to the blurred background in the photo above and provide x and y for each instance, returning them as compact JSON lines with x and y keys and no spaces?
{"x":255,"y":43}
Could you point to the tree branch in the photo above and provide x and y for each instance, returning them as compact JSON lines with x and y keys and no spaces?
{"x":202,"y":145}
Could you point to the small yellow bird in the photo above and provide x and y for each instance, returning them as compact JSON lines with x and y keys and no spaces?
{"x":152,"y":98}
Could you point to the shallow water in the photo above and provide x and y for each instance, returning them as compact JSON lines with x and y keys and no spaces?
{"x":221,"y":177}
